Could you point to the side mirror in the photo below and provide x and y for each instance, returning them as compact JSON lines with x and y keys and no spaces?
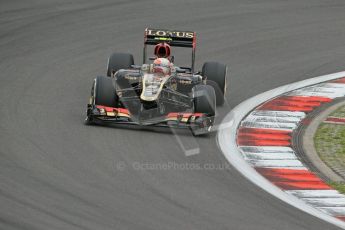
{"x":135,"y":66}
{"x":180,"y":70}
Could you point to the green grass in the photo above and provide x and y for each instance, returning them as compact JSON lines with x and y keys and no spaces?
{"x":338,"y":186}
{"x":331,"y":135}
{"x":339,"y":112}
{"x":329,"y":141}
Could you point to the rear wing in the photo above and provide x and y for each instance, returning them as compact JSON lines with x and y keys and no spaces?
{"x":172,"y":37}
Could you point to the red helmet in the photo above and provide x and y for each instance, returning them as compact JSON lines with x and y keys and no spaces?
{"x":162,"y":50}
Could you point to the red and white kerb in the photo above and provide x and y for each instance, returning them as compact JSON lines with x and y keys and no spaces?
{"x":264,"y":139}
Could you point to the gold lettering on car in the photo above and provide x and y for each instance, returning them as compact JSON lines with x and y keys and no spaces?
{"x":189,"y":35}
{"x":185,"y":82}
{"x":131,"y":78}
{"x":174,"y":86}
{"x":179,"y":34}
{"x":161,"y":33}
{"x":149,"y":32}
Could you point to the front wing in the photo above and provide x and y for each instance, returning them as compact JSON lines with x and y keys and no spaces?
{"x":199,"y":123}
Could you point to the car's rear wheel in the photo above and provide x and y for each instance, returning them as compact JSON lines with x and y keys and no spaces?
{"x":215,"y":74}
{"x":204,"y":100}
{"x":119,"y":61}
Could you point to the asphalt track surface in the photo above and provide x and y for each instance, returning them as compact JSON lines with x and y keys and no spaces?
{"x":57,"y":173}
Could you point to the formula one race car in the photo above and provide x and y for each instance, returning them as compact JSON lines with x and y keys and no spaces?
{"x":160,"y":93}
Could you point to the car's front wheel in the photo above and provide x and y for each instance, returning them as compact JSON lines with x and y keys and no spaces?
{"x":204,"y":100}
{"x":104,"y":92}
{"x":215,"y":74}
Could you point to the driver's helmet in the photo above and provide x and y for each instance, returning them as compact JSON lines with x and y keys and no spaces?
{"x":162,"y":50}
{"x":162,"y":65}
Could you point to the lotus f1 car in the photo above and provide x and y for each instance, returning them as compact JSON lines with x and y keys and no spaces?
{"x":147,"y":95}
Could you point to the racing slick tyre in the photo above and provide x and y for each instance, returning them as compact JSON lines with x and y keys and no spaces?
{"x":119,"y":61}
{"x":204,"y":99}
{"x":215,"y":74}
{"x":104,"y":92}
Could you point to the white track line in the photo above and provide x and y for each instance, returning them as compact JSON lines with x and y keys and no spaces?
{"x":269,"y":125}
{"x":227,"y":143}
{"x":316,"y":193}
{"x":272,"y":113}
{"x":256,"y":118}
{"x":269,"y":156}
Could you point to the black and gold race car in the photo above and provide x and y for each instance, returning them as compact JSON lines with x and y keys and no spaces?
{"x":160,"y":93}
